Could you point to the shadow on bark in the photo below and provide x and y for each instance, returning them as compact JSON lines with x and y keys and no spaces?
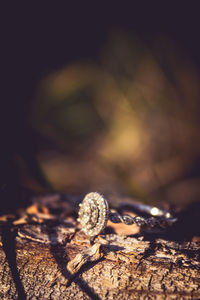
{"x":61,"y":259}
{"x":9,"y":247}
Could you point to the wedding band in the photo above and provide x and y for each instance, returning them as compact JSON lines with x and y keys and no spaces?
{"x":94,"y":213}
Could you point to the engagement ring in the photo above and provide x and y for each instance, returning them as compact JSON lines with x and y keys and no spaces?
{"x":94,"y":213}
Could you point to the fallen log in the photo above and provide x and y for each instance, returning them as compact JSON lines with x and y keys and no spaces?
{"x":51,"y":258}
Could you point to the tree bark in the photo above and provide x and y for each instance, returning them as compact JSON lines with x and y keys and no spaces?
{"x":53,"y":259}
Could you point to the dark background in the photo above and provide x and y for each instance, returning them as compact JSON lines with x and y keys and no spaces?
{"x":39,"y":40}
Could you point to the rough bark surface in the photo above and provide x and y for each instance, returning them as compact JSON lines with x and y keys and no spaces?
{"x":52,"y":259}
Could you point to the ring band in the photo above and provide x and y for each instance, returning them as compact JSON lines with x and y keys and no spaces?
{"x":94,"y":213}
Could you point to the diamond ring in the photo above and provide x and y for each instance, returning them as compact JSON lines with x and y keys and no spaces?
{"x":94,"y":213}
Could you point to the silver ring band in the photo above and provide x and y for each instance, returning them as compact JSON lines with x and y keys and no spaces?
{"x":94,"y":213}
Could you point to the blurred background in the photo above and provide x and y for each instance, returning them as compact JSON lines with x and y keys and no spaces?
{"x":103,"y":99}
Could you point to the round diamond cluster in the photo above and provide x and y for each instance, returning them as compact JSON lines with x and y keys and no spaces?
{"x":93,"y":214}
